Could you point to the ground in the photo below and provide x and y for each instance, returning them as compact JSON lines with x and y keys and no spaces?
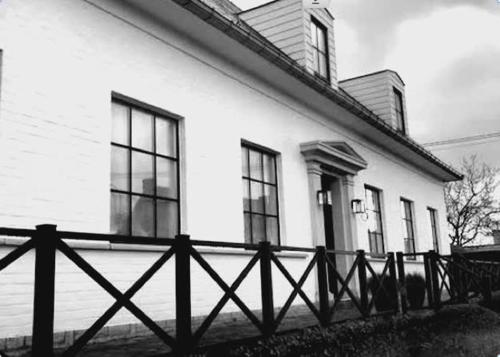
{"x":460,"y":330}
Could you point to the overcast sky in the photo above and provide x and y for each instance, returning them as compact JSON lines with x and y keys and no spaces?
{"x":446,"y":51}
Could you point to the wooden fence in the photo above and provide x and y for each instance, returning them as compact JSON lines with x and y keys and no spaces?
{"x":360,"y":283}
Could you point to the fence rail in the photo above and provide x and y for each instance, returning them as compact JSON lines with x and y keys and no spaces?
{"x":448,"y":279}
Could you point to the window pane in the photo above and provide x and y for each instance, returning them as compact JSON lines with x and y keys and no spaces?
{"x":142,"y":216}
{"x":256,"y":193}
{"x":315,"y":64}
{"x":269,"y":172}
{"x":166,"y":219}
{"x":369,"y":199}
{"x":142,"y":173}
{"x":166,"y":143}
{"x":373,"y":222}
{"x":246,"y":195}
{"x":255,"y":165}
{"x":409,"y":246}
{"x":409,"y":230}
{"x":403,"y":209}
{"x":142,"y":130}
{"x":271,"y":204}
{"x":166,"y":178}
{"x":313,"y":34}
{"x":380,"y":243}
{"x":248,"y":232}
{"x":258,"y":231}
{"x":272,"y":230}
{"x":321,"y":40}
{"x":119,"y":214}
{"x":323,"y":67}
{"x":373,"y":242}
{"x":120,"y":124}
{"x":120,"y":168}
{"x":244,"y":162}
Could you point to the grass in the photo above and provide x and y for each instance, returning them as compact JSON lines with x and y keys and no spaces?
{"x":460,"y":330}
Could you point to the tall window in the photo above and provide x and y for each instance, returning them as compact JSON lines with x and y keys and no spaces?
{"x":434,"y":228}
{"x":374,"y":212}
{"x":320,"y":49}
{"x":260,"y":195}
{"x":408,"y":227}
{"x":398,"y":103}
{"x":144,"y":171}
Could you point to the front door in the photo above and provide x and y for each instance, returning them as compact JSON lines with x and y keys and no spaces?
{"x":326,"y":188}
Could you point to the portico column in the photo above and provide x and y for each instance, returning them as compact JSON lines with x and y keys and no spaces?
{"x":350,"y":229}
{"x":317,"y":223}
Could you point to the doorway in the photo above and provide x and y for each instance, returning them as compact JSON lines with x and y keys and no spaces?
{"x":327,"y":183}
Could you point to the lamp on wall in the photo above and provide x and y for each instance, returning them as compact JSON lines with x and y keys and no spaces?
{"x":358,"y":206}
{"x":324,"y":198}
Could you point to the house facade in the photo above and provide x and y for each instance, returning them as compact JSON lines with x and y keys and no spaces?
{"x":156,"y":118}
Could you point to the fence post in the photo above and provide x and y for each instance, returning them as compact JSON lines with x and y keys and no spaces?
{"x":45,"y":240}
{"x":436,"y":297}
{"x":457,"y":285}
{"x":266,"y":285}
{"x":363,"y":285}
{"x":324,"y":307}
{"x":182,"y":247}
{"x":402,"y":282}
{"x":486,"y":285}
{"x":394,"y":279}
{"x":428,"y":279}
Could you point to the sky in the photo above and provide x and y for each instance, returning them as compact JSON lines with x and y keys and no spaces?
{"x":446,"y":51}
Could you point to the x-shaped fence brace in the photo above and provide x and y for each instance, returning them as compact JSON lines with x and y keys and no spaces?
{"x":463,"y":275}
{"x":230,"y":293}
{"x":122,"y":299}
{"x":379,"y":283}
{"x":297,"y":289}
{"x":345,"y":285}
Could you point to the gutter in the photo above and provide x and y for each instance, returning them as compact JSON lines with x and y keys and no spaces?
{"x":266,"y":49}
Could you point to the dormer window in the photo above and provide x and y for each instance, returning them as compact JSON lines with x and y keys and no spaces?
{"x":400,"y":120}
{"x":319,"y":40}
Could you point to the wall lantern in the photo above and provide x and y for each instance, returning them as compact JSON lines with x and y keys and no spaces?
{"x":324,"y":198}
{"x":358,"y":206}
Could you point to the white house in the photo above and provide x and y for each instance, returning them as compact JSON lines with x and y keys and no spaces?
{"x":155,"y":118}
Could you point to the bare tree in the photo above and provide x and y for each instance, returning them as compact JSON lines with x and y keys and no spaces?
{"x":472,"y":209}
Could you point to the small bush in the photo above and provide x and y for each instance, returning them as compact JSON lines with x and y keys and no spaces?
{"x":415,"y":290}
{"x":386,"y":298}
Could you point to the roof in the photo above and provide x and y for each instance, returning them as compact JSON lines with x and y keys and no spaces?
{"x":373,"y":74}
{"x":272,"y":2}
{"x":251,"y":39}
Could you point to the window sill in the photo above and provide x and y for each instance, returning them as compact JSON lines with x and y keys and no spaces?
{"x":96,"y":245}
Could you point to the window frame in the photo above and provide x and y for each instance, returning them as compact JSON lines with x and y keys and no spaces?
{"x":266,"y":151}
{"x":411,"y":221}
{"x":380,"y":219}
{"x":400,"y":115}
{"x":315,"y":49}
{"x":433,"y":216}
{"x":132,"y":104}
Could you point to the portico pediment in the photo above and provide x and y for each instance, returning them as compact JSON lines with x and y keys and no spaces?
{"x":333,"y":155}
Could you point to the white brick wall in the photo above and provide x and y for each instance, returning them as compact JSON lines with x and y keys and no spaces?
{"x":61,"y":61}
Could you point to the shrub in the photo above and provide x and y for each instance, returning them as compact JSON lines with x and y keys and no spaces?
{"x":386,"y":298}
{"x":415,"y":290}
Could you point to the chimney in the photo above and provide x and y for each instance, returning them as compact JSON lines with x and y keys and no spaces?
{"x":383,"y":93}
{"x":304,"y":34}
